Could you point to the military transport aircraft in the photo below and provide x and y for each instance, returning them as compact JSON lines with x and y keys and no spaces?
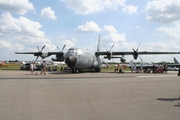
{"x":78,"y":59}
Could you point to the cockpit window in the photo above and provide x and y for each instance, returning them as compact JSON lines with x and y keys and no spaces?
{"x":72,"y":50}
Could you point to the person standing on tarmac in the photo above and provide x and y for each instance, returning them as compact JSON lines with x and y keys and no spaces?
{"x":179,"y":75}
{"x":33,"y":67}
{"x":43,"y":68}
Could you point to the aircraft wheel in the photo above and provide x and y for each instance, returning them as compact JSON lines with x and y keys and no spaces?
{"x":73,"y":70}
{"x":76,"y":70}
{"x":98,"y":69}
{"x":80,"y":70}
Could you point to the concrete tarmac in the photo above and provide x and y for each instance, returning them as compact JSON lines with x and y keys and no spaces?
{"x":89,"y":96}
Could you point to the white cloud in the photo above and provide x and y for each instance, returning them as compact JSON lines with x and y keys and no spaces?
{"x":115,"y":37}
{"x":130,"y":9}
{"x":5,"y":45}
{"x":137,"y":27}
{"x":18,"y":46}
{"x":110,"y":29}
{"x":48,"y":13}
{"x":21,"y":25}
{"x":163,"y":11}
{"x":88,"y":27}
{"x":173,"y":32}
{"x":30,"y":43}
{"x":68,"y":43}
{"x":20,"y":32}
{"x":17,"y":6}
{"x":156,"y":46}
{"x":32,"y":40}
{"x":92,"y":6}
{"x":8,"y":46}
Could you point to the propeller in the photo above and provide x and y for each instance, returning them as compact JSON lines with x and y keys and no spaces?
{"x":60,"y":55}
{"x":62,"y":48}
{"x":135,"y":55}
{"x":109,"y":54}
{"x":39,"y":52}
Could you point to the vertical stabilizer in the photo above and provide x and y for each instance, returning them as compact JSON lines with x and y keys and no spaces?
{"x":98,"y":46}
{"x":175,"y":61}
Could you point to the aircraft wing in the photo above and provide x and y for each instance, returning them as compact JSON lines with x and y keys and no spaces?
{"x":34,"y":53}
{"x":26,"y":52}
{"x":59,"y":55}
{"x":109,"y":55}
{"x":146,"y":53}
{"x":38,"y":54}
{"x":55,"y":53}
{"x":132,"y":53}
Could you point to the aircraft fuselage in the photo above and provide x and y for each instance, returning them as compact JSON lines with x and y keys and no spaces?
{"x":78,"y":59}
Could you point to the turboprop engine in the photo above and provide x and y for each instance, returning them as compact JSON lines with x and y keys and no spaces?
{"x":135,"y":55}
{"x":109,"y":56}
{"x":109,"y":53}
{"x":58,"y":58}
{"x":60,"y":55}
{"x":123,"y":59}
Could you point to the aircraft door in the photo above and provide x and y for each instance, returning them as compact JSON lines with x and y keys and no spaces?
{"x":80,"y":60}
{"x":90,"y":62}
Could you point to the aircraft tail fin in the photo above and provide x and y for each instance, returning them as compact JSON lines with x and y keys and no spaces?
{"x":98,"y":46}
{"x":175,"y":61}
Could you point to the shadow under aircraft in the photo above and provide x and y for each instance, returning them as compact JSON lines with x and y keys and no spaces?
{"x":78,"y":59}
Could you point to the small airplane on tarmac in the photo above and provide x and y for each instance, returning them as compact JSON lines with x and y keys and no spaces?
{"x":2,"y":64}
{"x":78,"y":59}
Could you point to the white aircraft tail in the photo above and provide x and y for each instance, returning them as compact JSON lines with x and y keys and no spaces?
{"x":98,"y":46}
{"x":175,"y":61}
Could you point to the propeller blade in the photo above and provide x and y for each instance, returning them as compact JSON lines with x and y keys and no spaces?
{"x":37,"y":58}
{"x":43,"y":47}
{"x":138,"y":47}
{"x":39,"y":52}
{"x":141,"y":59}
{"x":133,"y":50}
{"x":38,"y":47}
{"x":57,"y":48}
{"x":111,"y":47}
{"x":63,"y":47}
{"x":105,"y":48}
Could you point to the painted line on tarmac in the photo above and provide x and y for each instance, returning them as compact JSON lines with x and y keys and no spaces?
{"x":160,"y":76}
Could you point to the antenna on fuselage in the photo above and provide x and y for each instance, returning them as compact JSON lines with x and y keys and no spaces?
{"x":98,"y":47}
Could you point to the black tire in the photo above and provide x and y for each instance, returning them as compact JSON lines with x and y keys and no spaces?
{"x":76,"y":70}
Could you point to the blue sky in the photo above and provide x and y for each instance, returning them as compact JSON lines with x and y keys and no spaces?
{"x":24,"y":24}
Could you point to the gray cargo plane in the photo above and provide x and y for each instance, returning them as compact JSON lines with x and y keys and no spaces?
{"x":78,"y":59}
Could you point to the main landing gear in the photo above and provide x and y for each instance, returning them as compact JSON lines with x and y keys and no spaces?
{"x":76,"y":70}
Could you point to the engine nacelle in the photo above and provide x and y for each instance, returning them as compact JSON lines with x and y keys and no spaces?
{"x":60,"y":59}
{"x":135,"y":55}
{"x":109,"y":56}
{"x":44,"y":55}
{"x":123,"y":59}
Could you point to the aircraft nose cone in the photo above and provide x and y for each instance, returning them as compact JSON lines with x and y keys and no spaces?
{"x":71,"y":61}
